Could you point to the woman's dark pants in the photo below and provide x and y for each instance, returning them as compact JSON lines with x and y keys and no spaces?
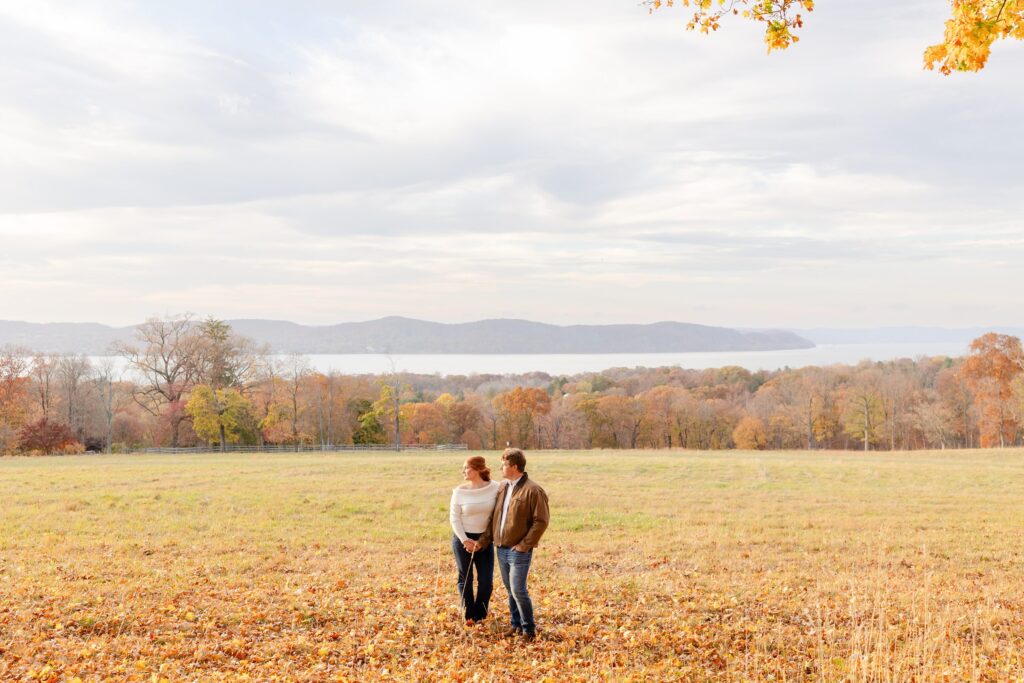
{"x":475,"y":605}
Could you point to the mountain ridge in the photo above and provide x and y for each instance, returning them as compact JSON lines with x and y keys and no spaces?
{"x":397,"y":334}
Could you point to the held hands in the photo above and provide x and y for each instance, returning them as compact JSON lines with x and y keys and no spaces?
{"x":470,"y":545}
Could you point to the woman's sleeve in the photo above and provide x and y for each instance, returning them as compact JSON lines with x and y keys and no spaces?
{"x":455,"y":515}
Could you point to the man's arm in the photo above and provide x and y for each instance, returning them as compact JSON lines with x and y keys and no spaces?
{"x":541,"y":517}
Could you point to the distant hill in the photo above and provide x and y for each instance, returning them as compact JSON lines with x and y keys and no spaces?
{"x":91,"y":338}
{"x":406,"y":335}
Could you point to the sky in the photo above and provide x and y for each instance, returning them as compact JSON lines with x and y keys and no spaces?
{"x":565,"y":162}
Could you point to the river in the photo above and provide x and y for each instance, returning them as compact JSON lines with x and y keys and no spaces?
{"x":574,"y":363}
{"x":570,"y":364}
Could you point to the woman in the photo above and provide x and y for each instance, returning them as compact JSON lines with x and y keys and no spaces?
{"x":470,"y":512}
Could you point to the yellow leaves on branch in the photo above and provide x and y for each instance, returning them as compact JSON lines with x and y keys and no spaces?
{"x":780,"y":18}
{"x":970,"y":31}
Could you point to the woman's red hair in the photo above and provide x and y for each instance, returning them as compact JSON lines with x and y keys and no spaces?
{"x":478,"y":463}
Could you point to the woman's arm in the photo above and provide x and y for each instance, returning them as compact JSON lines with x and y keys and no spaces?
{"x":455,"y":517}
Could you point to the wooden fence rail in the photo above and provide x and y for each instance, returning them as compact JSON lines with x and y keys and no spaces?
{"x":306,"y":448}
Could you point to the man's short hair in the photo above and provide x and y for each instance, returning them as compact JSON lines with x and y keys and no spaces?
{"x":514,"y":456}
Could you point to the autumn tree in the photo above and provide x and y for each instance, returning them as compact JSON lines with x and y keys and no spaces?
{"x":267,"y":387}
{"x":229,"y":365}
{"x":713,"y":424}
{"x":623,"y":417}
{"x":994,"y":362}
{"x":221,"y":414}
{"x":660,"y":406}
{"x":487,"y":426}
{"x":167,"y":359}
{"x":369,"y":430}
{"x":1017,"y":407}
{"x":864,"y":414}
{"x":462,"y":420}
{"x":110,"y":394}
{"x":778,"y":404}
{"x":14,"y":388}
{"x":750,"y":434}
{"x":43,"y":370}
{"x":953,"y":390}
{"x":684,"y":417}
{"x":935,"y":420}
{"x":562,"y":426}
{"x":518,"y":411}
{"x":284,"y":417}
{"x":73,"y":372}
{"x":899,"y":393}
{"x":388,"y":408}
{"x":973,"y":26}
{"x":425,"y":423}
{"x":227,"y":359}
{"x":331,"y":394}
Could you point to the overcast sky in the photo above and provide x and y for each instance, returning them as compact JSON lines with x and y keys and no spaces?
{"x":567,"y":162}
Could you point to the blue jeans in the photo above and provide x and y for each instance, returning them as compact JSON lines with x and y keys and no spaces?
{"x":475,"y":606}
{"x":514,"y":567}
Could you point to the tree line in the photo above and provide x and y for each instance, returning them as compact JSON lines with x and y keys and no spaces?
{"x":186,"y":382}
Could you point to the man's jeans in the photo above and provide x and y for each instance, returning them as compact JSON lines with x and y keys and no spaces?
{"x":483,"y":562}
{"x":514,"y":567}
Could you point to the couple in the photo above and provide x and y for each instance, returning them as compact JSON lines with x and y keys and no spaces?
{"x":511,"y":515}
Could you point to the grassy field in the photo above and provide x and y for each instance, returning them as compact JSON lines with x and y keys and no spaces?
{"x":727,"y":566}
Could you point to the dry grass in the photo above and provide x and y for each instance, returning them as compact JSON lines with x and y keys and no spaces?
{"x":658,"y":566}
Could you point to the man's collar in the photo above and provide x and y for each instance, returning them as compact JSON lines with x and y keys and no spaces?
{"x":515,"y":483}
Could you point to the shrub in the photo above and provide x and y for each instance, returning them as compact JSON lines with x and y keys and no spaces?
{"x":73,"y":448}
{"x":45,"y":436}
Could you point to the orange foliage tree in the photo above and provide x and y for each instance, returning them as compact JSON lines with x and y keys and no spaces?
{"x":994,"y":362}
{"x":623,"y":418}
{"x":750,"y":434}
{"x":14,"y":395}
{"x":424,"y":423}
{"x":518,"y":411}
{"x":462,"y":421}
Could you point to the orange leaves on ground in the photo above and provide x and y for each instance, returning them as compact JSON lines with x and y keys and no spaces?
{"x":660,"y":566}
{"x":647,"y":619}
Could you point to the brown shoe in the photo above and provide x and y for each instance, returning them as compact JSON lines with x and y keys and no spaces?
{"x":529,"y":636}
{"x":513,"y":633}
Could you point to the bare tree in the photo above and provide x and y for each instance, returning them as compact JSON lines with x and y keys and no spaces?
{"x":268,"y":375}
{"x":169,"y":360}
{"x":73,"y":371}
{"x":42,"y":370}
{"x":295,"y":371}
{"x":106,"y":380}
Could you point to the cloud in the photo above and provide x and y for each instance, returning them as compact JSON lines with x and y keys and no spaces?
{"x":569,"y":162}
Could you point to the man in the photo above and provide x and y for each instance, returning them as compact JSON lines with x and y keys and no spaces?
{"x":519,"y":519}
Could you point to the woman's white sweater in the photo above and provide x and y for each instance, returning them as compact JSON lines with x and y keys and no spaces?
{"x":470,"y":509}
